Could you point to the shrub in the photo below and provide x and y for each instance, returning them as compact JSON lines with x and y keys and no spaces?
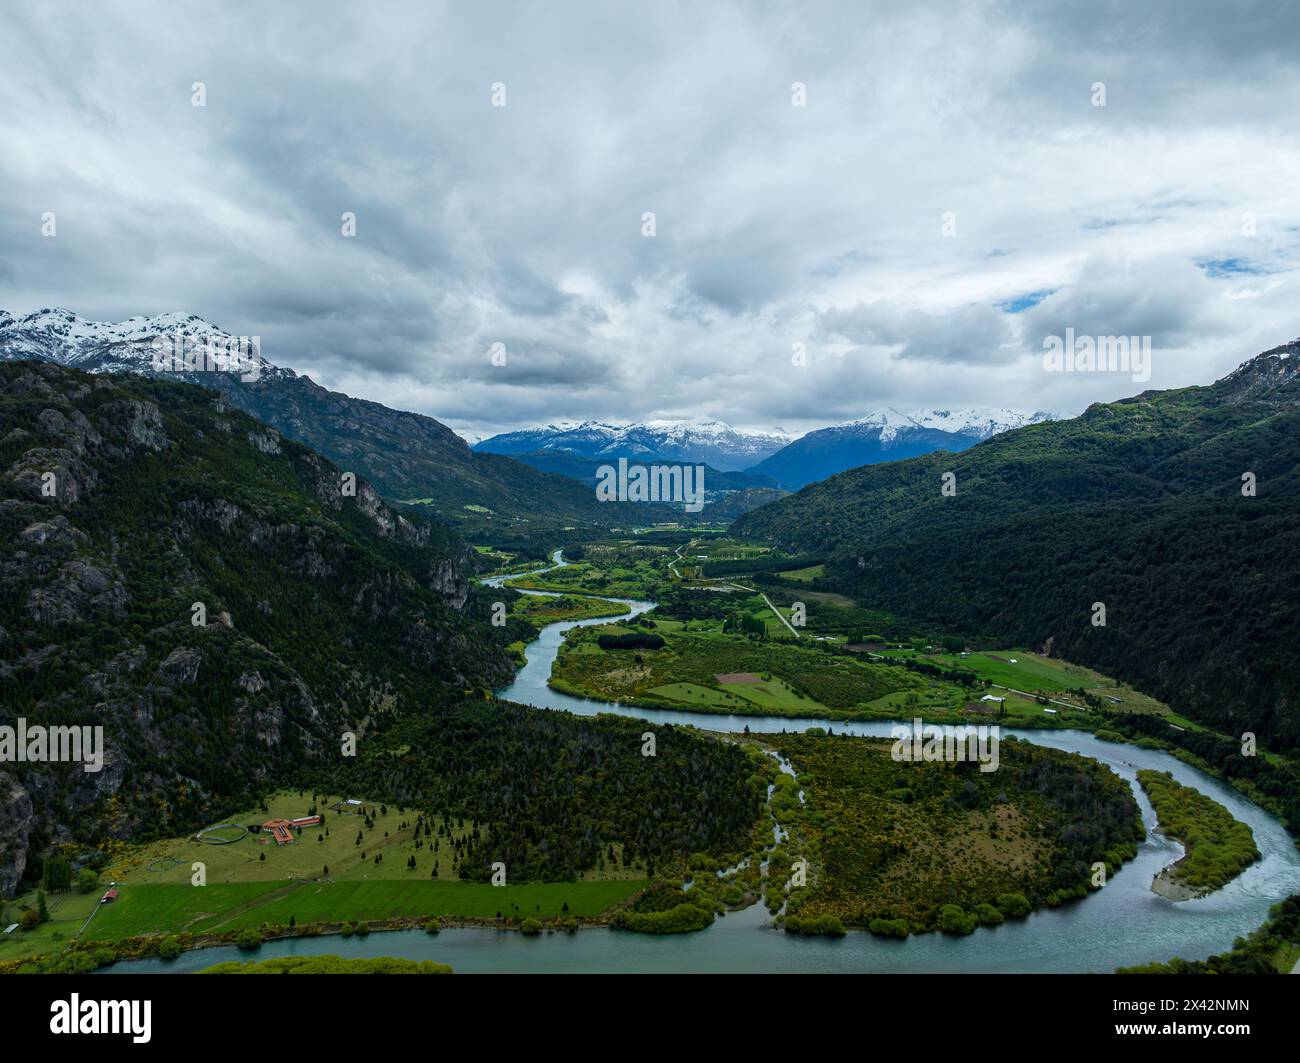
{"x":248,"y":940}
{"x":1013,"y":905}
{"x":954,"y":920}
{"x":889,"y":928}
{"x":828,"y":925}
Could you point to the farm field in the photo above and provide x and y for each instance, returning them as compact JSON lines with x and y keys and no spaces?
{"x":1013,"y":668}
{"x":790,"y":678}
{"x":68,"y":911}
{"x":162,"y":909}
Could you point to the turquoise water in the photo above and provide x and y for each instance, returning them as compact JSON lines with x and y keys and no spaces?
{"x":1122,"y":924}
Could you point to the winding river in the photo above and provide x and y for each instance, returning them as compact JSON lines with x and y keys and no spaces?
{"x":1121,"y":925}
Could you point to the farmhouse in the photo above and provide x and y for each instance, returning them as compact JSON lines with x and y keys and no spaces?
{"x":109,"y":897}
{"x":282,"y":829}
{"x":279,"y":830}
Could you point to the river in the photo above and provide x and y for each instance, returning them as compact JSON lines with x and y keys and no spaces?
{"x":1121,"y":925}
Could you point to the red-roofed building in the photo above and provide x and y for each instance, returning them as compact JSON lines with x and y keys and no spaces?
{"x":279,"y":829}
{"x":111,"y":895}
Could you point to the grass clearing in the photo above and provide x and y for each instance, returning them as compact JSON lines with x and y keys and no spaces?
{"x":166,"y":909}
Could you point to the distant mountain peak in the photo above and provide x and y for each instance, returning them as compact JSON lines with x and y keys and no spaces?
{"x":887,"y":434}
{"x":1270,"y":369}
{"x":711,"y":442}
{"x":56,"y":334}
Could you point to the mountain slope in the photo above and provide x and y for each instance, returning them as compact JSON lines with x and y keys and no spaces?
{"x":885,"y":436}
{"x":405,"y":455}
{"x":321,"y":611}
{"x":712,"y":443}
{"x":1136,"y":504}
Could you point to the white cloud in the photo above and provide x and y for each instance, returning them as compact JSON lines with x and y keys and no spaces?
{"x":775,"y":224}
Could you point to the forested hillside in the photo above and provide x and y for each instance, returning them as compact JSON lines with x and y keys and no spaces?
{"x":211,"y":594}
{"x":411,"y":457}
{"x":1142,"y":505}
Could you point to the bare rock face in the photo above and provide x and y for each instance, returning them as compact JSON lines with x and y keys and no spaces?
{"x":57,"y":531}
{"x":181,"y":665}
{"x":447,"y":580}
{"x":80,"y":593}
{"x":17,"y":820}
{"x":141,"y":422}
{"x":268,"y":442}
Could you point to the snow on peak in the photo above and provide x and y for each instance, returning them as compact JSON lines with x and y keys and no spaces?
{"x":56,"y":334}
{"x":981,"y":422}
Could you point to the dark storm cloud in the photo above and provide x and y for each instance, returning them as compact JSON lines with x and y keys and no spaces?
{"x":776,"y":225}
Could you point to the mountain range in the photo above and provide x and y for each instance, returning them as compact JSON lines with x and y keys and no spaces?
{"x":887,"y":435}
{"x":1154,"y":538}
{"x":524,"y":484}
{"x":409,"y":457}
{"x":711,"y":443}
{"x":767,"y":458}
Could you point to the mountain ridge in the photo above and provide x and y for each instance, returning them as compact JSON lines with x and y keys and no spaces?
{"x":409,"y":457}
{"x":1178,"y":510}
{"x":886,"y":435}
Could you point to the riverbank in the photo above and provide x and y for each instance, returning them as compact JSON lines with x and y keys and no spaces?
{"x":1122,"y":924}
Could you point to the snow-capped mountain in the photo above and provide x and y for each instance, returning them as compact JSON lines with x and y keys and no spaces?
{"x":886,"y":435}
{"x":404,"y":455}
{"x":136,"y":345}
{"x":711,"y":442}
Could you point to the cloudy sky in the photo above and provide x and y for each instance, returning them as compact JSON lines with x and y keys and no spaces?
{"x":949,"y":194}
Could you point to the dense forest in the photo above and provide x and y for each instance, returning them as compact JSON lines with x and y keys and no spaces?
{"x":1177,"y":511}
{"x":555,"y":791}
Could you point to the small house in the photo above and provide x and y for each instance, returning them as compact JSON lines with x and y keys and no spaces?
{"x":109,"y":897}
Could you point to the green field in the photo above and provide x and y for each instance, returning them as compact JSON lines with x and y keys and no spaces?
{"x":1029,"y":672}
{"x":792,"y":678}
{"x":234,"y":906}
{"x":804,"y":575}
{"x":68,"y":911}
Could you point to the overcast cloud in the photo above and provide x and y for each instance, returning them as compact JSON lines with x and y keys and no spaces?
{"x":1172,"y":211}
